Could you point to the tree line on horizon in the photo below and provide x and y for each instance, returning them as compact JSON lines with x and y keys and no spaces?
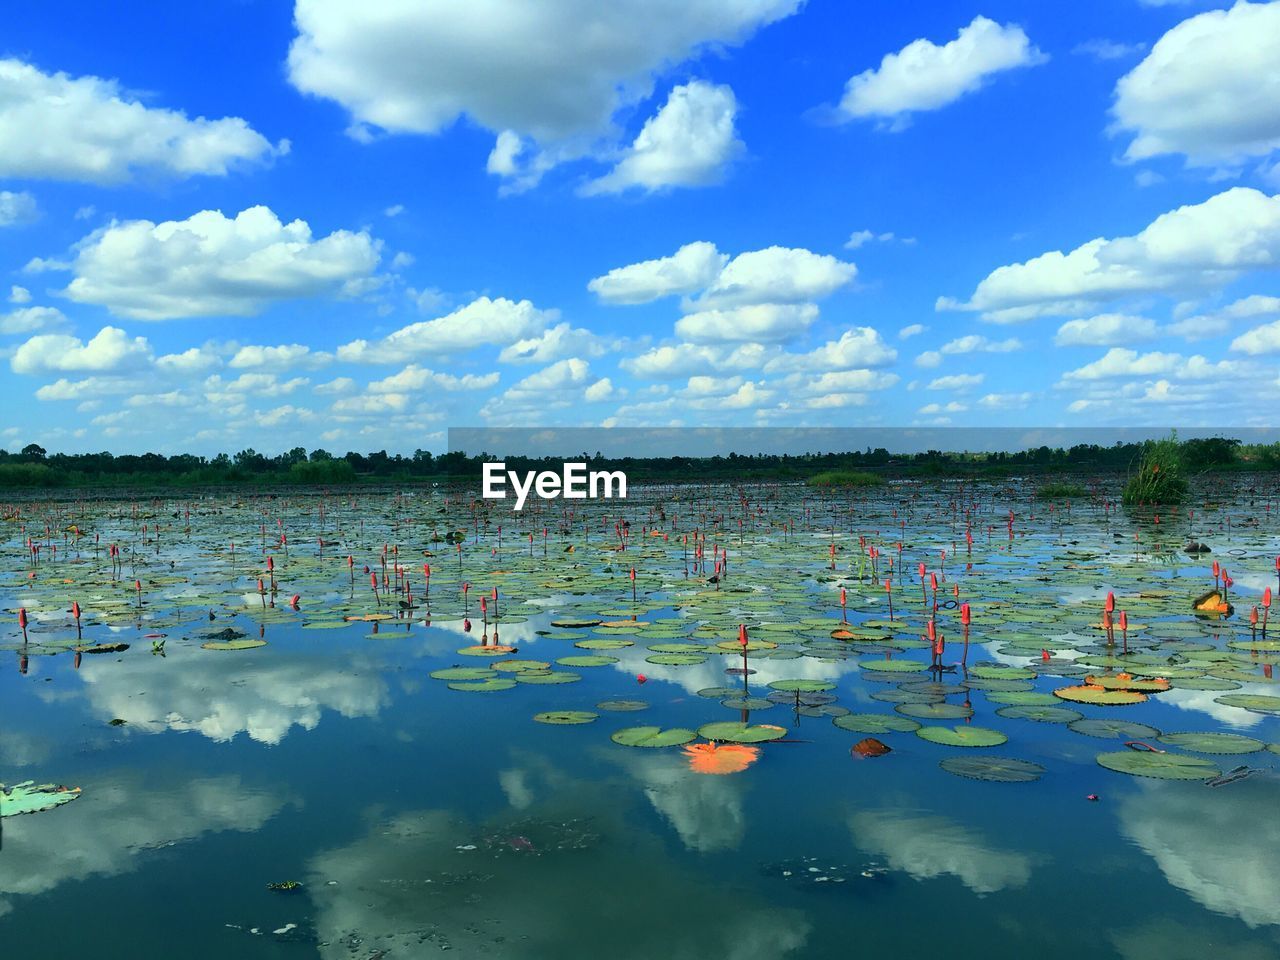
{"x":33,"y":466}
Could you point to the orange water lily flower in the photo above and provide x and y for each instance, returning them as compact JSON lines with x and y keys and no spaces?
{"x":720,"y":758}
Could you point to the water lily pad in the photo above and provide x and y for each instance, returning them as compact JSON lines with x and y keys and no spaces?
{"x":1039,"y":713}
{"x":1099,"y":696}
{"x":893,"y":666}
{"x":962,"y":736}
{"x":876,"y":723}
{"x":676,"y":659}
{"x":565,"y":717}
{"x":802,"y":686}
{"x":735,"y":732}
{"x":653,"y":737}
{"x":935,"y":711}
{"x":482,"y":686}
{"x":245,"y":643}
{"x":464,"y":673}
{"x":994,"y":769}
{"x":1257,"y":703}
{"x":622,"y":706}
{"x":1114,"y":729}
{"x":1162,"y":766}
{"x":1213,"y":742}
{"x":587,"y":660}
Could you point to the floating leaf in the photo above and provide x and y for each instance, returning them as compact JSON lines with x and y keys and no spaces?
{"x":653,"y":737}
{"x":736,"y":732}
{"x":995,"y":769}
{"x":1162,"y":766}
{"x":1039,"y":714}
{"x":802,"y":686}
{"x":962,"y":736}
{"x":622,"y":706}
{"x":565,"y":717}
{"x":1257,"y":703}
{"x":1114,"y":729}
{"x":483,"y":686}
{"x":876,"y":723}
{"x":243,"y":644}
{"x":1212,"y":742}
{"x":1099,"y":696}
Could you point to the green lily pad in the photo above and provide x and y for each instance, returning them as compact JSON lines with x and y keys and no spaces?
{"x":1255,"y":702}
{"x":876,"y":723}
{"x":242,"y":644}
{"x":565,"y":717}
{"x":735,"y":732}
{"x":1212,"y":742}
{"x":587,"y":660}
{"x":1114,"y":729}
{"x":622,"y":706}
{"x":994,"y":769}
{"x":653,"y":737}
{"x":802,"y":686}
{"x":1039,"y":714}
{"x":962,"y":736}
{"x":1162,"y":766}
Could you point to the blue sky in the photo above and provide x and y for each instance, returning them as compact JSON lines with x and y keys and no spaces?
{"x":354,"y":225}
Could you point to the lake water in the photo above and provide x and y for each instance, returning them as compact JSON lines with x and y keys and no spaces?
{"x":419,"y":817}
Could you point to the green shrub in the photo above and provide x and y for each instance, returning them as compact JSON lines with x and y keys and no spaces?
{"x":846,"y":478}
{"x":1161,"y":475}
{"x":1060,"y":491}
{"x":28,"y":475}
{"x":322,"y":471}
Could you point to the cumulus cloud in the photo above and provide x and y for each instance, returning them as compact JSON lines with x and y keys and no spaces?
{"x":957,"y":381}
{"x":857,"y":347}
{"x":924,"y":76}
{"x":1209,"y":89}
{"x":278,"y":357}
{"x":1106,"y":330}
{"x":688,"y":143}
{"x":911,"y":330}
{"x":59,"y":127}
{"x":1121,"y":362}
{"x":555,"y":72}
{"x":1218,"y":322}
{"x":31,"y":319}
{"x":483,"y":321}
{"x":555,"y":343}
{"x":758,"y":323}
{"x":414,"y":377}
{"x":1208,"y":244}
{"x":212,"y":265}
{"x":16,"y":208}
{"x":110,"y":350}
{"x":776,"y":275}
{"x":691,"y":268}
{"x":976,"y":344}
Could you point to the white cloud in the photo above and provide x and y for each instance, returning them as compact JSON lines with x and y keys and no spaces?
{"x":556,"y":71}
{"x":912,"y":330}
{"x":1121,"y":362}
{"x":211,"y":265}
{"x":59,"y":127}
{"x":600,"y":390}
{"x":31,"y":319}
{"x":759,"y":323}
{"x":1259,"y":340}
{"x":414,"y":377}
{"x":957,"y":381}
{"x":924,"y":76}
{"x":279,"y":357}
{"x":929,"y":359}
{"x":1106,"y":330}
{"x":687,"y":359}
{"x":776,"y":275}
{"x":1005,"y":401}
{"x":483,"y":321}
{"x":691,"y":268}
{"x":857,"y":347}
{"x":1207,"y":325}
{"x":19,"y":295}
{"x":976,"y":344}
{"x":110,"y":350}
{"x":1200,"y":245}
{"x":555,"y":343}
{"x":688,"y":143}
{"x":1209,"y":89}
{"x":15,"y":208}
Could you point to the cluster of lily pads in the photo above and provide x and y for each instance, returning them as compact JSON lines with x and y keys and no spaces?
{"x":708,"y":563}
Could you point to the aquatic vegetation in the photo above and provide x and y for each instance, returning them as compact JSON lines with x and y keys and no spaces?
{"x":28,"y":797}
{"x":1160,"y":476}
{"x":720,"y":758}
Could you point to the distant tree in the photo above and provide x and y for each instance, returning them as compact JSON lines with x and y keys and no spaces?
{"x":33,"y":451}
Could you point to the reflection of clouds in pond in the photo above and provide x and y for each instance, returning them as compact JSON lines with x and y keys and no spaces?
{"x":22,"y":749}
{"x":1217,"y":845}
{"x":228,"y":693}
{"x":410,"y":885}
{"x":515,"y":785}
{"x":1169,"y":939}
{"x":102,"y":832}
{"x":926,"y":847}
{"x":706,"y":811}
{"x":1202,"y":701}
